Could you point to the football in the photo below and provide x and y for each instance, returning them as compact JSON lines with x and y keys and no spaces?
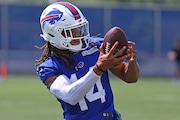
{"x":113,"y":35}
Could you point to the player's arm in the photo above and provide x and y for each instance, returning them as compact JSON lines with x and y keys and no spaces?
{"x":71,"y":92}
{"x":128,"y":71}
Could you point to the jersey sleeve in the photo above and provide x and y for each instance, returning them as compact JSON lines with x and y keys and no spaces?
{"x":47,"y":69}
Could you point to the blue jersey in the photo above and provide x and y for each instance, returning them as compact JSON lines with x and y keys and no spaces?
{"x":98,"y":103}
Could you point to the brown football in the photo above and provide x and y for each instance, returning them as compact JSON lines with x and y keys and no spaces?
{"x":113,"y":35}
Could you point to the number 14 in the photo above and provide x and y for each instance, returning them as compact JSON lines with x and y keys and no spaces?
{"x":91,"y":96}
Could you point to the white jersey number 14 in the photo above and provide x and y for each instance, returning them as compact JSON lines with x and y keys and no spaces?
{"x":91,"y":96}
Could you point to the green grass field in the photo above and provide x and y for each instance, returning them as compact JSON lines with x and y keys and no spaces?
{"x":26,"y":98}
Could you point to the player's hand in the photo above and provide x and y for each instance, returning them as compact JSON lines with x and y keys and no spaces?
{"x":111,"y":59}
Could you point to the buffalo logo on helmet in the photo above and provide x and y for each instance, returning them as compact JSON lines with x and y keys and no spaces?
{"x":52,"y":17}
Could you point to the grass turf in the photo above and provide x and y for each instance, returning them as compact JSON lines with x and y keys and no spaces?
{"x":26,"y":98}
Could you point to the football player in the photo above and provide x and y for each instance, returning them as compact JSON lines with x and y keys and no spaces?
{"x":74,"y":66}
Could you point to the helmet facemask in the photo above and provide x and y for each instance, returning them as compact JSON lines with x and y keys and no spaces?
{"x":75,"y":38}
